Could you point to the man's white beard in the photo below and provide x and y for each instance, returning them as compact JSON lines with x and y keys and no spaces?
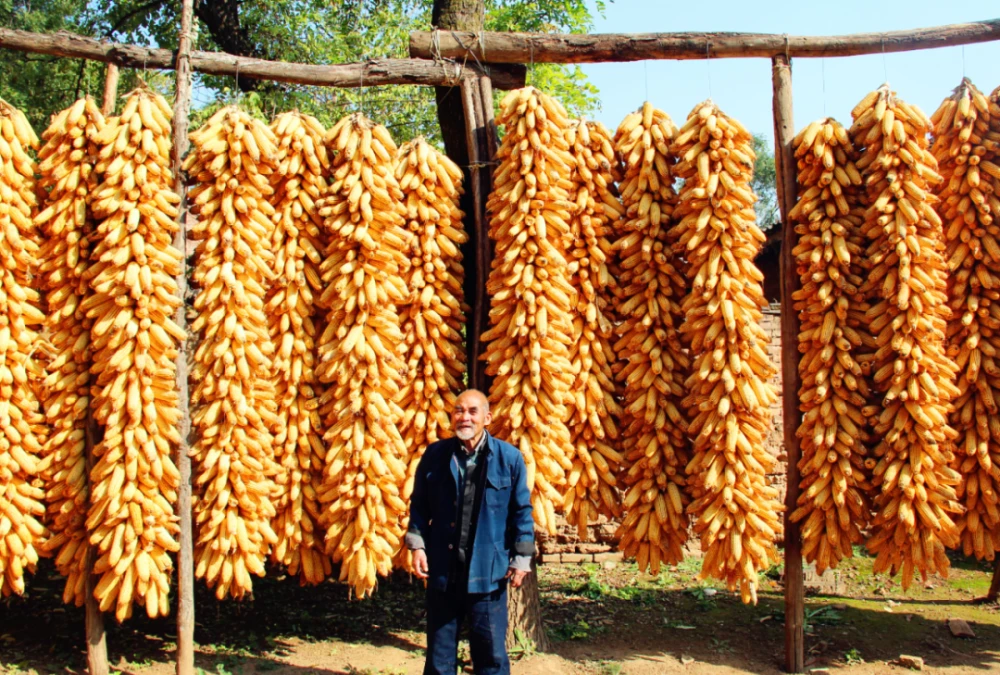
{"x":465,"y":434}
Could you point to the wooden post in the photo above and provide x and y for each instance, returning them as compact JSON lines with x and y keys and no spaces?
{"x":110,"y":89}
{"x":97,"y":644}
{"x":476,"y":323}
{"x":784,"y":161}
{"x":185,"y":557}
{"x":991,"y":596}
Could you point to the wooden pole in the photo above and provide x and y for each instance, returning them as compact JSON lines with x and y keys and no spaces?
{"x":185,"y":557}
{"x":991,"y":596}
{"x":784,"y":161}
{"x":373,"y":72}
{"x":568,"y":48}
{"x":97,"y":644}
{"x":110,"y":89}
{"x":476,"y":321}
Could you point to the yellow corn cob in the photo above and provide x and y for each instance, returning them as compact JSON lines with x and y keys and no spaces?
{"x":22,"y":508}
{"x":971,"y":174}
{"x":360,"y":353}
{"x":531,"y":297}
{"x":651,"y":363}
{"x":736,"y":511}
{"x":911,"y":371}
{"x":233,"y":400}
{"x":298,"y":185}
{"x":830,"y":264}
{"x":134,"y":343}
{"x":66,"y":166}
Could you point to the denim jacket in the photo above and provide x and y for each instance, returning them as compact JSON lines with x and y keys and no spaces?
{"x":505,"y":526}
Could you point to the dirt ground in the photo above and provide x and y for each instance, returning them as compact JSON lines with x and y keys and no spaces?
{"x":600,"y":619}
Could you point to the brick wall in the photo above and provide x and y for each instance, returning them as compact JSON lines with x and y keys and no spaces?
{"x":567,"y":547}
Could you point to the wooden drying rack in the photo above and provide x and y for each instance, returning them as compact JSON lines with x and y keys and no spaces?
{"x":478,"y":62}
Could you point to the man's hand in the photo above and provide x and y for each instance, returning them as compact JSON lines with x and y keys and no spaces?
{"x":420,"y":567}
{"x":516,"y":577}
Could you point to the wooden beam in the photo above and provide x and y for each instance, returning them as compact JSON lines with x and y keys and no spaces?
{"x":784,"y":162}
{"x":568,"y":48}
{"x":371,"y":73}
{"x":185,"y":557}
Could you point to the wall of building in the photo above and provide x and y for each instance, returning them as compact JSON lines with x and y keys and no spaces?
{"x":567,"y":547}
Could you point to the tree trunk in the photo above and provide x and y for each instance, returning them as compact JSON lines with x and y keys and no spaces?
{"x":524,"y":615}
{"x":991,"y":596}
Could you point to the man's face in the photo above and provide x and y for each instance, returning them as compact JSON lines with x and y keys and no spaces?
{"x":470,"y":415}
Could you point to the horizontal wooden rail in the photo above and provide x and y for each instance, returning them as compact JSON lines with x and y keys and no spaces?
{"x":370,"y":73}
{"x":567,"y":48}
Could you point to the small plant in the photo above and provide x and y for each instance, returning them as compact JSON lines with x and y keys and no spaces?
{"x":704,"y":595}
{"x":575,"y":630}
{"x":609,"y":668}
{"x":721,"y":645}
{"x":853,"y":657}
{"x":523,"y":647}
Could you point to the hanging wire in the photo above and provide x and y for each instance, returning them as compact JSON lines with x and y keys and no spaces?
{"x":237,"y":92}
{"x":963,"y":62}
{"x":708,"y":65}
{"x":645,"y":73}
{"x":885,"y":67}
{"x":822,"y":65}
{"x":361,"y":89}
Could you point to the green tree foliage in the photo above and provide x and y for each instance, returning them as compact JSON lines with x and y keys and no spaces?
{"x":764,"y":184}
{"x":306,"y":31}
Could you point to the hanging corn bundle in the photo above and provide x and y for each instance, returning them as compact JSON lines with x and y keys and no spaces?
{"x":433,"y":316}
{"x":134,"y":343}
{"x":531,"y":296}
{"x":832,"y":506}
{"x":968,"y":207}
{"x":360,"y":353}
{"x":736,"y":511}
{"x":22,"y":533}
{"x":914,"y":486}
{"x":652,"y":364}
{"x":66,"y":166}
{"x":298,"y":184}
{"x":592,"y":411}
{"x":233,"y":395}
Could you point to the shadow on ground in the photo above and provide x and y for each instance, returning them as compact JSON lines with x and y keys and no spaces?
{"x":592,"y":614}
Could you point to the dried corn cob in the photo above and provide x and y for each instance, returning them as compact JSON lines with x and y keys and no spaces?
{"x":21,"y":500}
{"x":360,"y":353}
{"x":134,"y":345}
{"x":652,"y":364}
{"x":914,"y":485}
{"x":968,"y":207}
{"x":829,"y":259}
{"x":66,"y":166}
{"x":298,"y":184}
{"x":233,"y":401}
{"x":728,"y":404}
{"x":433,"y":316}
{"x":531,"y":297}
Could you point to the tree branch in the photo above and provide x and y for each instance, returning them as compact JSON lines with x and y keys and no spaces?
{"x":146,"y":7}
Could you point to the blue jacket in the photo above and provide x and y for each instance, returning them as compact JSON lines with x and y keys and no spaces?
{"x":505,"y":526}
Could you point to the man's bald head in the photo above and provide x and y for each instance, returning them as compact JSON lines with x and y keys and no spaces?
{"x":471,"y":415}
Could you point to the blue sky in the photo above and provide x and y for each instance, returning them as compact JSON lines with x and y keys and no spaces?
{"x":742,"y":87}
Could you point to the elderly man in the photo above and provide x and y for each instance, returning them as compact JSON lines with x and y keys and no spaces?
{"x":471,"y":531}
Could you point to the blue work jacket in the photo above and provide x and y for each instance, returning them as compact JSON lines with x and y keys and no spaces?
{"x":505,"y":525}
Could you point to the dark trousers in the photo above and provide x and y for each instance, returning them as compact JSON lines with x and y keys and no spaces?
{"x":487,"y":614}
